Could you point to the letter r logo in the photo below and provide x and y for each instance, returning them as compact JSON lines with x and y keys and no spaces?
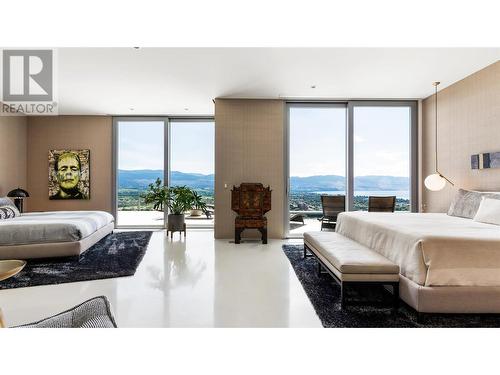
{"x":27,"y":75}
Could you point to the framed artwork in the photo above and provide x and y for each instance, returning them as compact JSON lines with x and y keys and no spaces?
{"x":486,"y":160}
{"x":69,"y":174}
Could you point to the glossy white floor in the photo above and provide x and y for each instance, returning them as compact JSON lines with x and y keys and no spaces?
{"x":197,"y":282}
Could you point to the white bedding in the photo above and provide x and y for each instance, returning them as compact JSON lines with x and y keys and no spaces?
{"x":431,"y":249}
{"x":56,"y":226}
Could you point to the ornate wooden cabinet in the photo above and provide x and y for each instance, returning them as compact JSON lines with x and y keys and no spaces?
{"x":250,"y":201}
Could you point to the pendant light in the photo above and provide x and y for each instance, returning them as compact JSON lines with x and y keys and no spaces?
{"x":436,"y":181}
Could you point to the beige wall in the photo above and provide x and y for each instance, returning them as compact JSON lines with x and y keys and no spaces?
{"x":70,"y":132}
{"x":249,"y":147}
{"x":13,"y":141}
{"x":468,"y":123}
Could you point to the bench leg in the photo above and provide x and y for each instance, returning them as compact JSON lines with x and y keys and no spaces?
{"x":342,"y":296}
{"x":395,"y":291}
{"x":307,"y":255}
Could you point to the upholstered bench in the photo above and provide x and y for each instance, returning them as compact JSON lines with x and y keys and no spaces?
{"x":351,"y":263}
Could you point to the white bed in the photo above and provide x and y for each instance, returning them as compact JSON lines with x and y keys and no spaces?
{"x":448,"y":264}
{"x":52,"y":234}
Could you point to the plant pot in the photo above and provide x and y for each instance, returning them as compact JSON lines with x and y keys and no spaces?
{"x":196,"y":212}
{"x":175,"y":222}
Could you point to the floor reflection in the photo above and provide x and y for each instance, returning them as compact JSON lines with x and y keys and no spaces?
{"x":179,"y":267}
{"x":191,"y":282}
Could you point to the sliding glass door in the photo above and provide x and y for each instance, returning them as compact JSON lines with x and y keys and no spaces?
{"x":356,"y":149}
{"x":140,"y":157}
{"x":317,"y":161}
{"x":192,"y":164}
{"x":382,"y":154}
{"x":154,"y":152}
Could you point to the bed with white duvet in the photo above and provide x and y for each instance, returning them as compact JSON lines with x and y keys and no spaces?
{"x":49,"y":234}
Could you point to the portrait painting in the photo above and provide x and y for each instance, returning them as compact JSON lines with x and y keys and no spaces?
{"x":69,"y":174}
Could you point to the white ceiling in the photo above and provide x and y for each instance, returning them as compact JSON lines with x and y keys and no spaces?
{"x":156,"y":81}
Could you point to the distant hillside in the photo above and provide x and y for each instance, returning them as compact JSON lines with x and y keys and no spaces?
{"x":140,"y":179}
{"x":317,"y":183}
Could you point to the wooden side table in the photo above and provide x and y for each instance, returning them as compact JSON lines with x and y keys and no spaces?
{"x":9,"y":268}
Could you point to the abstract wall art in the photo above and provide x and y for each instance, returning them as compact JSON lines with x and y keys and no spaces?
{"x":485,"y":160}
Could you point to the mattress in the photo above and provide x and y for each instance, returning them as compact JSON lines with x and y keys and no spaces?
{"x":431,"y":249}
{"x":52,"y":227}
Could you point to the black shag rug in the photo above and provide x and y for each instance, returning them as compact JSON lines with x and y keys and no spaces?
{"x":116,"y":255}
{"x":371,"y":306}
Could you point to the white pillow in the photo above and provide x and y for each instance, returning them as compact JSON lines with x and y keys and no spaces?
{"x":488,"y":211}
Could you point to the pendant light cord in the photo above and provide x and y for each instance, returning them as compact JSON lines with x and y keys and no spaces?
{"x":436,"y":122}
{"x":436,"y":130}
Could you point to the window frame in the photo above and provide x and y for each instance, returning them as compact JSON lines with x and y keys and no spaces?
{"x":166,"y":157}
{"x":350,"y":105}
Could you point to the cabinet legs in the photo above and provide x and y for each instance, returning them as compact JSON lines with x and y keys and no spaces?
{"x":237,"y":235}
{"x":238,"y":231}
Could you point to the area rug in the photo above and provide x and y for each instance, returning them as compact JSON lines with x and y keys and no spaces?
{"x":371,"y":306}
{"x":116,"y":255}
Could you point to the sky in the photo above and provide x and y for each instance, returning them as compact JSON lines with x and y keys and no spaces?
{"x":317,"y":142}
{"x":381,"y":141}
{"x":192,"y":146}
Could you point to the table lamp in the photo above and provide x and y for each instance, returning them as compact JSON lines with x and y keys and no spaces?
{"x":18,"y":195}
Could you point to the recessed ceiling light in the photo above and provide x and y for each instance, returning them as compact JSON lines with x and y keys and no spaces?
{"x":186,"y":109}
{"x":313,"y":86}
{"x":131,"y":109}
{"x":137,"y":47}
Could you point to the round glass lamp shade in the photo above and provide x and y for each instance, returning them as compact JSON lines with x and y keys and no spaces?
{"x":435,"y":182}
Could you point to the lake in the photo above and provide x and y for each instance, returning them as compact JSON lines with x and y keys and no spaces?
{"x":405,"y":194}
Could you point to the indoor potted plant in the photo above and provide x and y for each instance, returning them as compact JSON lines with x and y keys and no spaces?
{"x":178,"y":200}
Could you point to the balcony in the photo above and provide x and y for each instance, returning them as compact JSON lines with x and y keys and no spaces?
{"x":155,"y":219}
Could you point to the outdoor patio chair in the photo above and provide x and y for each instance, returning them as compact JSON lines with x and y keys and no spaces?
{"x":332,"y":205}
{"x":381,"y":204}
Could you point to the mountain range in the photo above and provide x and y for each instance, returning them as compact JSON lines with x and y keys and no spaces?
{"x":140,"y":179}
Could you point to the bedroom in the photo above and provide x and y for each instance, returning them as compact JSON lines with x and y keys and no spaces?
{"x":101,"y":148}
{"x":155,"y":190}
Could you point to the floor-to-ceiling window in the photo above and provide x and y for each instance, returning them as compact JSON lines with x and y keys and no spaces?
{"x":140,"y":147}
{"x":164,"y":151}
{"x":317,"y":161}
{"x":357,"y":149}
{"x":382,"y":148}
{"x":192,"y":164}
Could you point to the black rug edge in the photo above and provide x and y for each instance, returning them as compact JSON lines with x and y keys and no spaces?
{"x":148,"y":233}
{"x":431,"y":320}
